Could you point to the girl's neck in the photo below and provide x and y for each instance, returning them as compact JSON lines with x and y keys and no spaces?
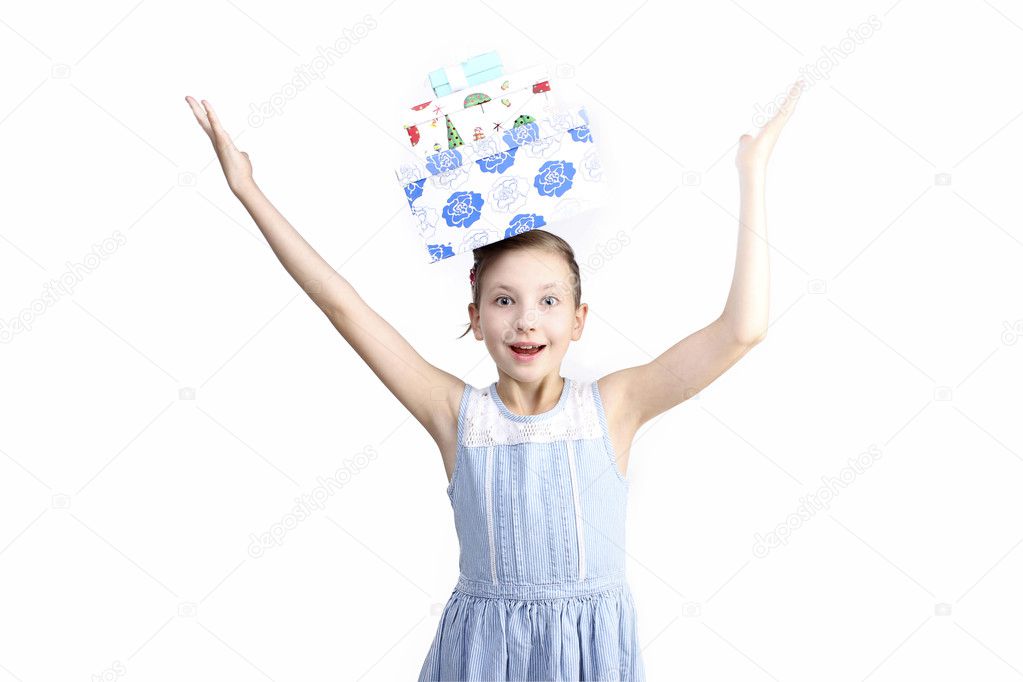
{"x":526,"y":399}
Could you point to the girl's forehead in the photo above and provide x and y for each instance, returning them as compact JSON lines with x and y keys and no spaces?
{"x":512,"y":287}
{"x":530,"y":265}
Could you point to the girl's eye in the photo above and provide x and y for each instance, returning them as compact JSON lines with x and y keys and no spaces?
{"x":500,"y":298}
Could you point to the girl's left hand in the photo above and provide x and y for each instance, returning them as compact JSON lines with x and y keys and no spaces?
{"x":235,"y":163}
{"x":755,"y":151}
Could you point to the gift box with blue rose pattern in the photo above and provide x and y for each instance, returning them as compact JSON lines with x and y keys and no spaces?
{"x":538,"y":171}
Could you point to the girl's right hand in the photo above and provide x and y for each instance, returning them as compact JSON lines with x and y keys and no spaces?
{"x":236,"y":165}
{"x":755,"y":151}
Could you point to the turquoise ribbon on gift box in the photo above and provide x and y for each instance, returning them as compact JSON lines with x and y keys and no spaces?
{"x":472,"y":71}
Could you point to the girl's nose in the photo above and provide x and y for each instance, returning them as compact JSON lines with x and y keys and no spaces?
{"x":527,"y":320}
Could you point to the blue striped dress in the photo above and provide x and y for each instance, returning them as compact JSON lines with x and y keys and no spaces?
{"x":539,"y":508}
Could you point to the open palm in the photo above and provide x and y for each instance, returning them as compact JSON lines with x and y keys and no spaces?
{"x":236,"y":165}
{"x":755,"y":151}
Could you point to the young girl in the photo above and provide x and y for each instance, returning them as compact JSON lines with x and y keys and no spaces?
{"x":536,"y":462}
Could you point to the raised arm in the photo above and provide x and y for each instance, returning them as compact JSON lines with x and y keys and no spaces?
{"x":637,"y":394}
{"x":430,"y":394}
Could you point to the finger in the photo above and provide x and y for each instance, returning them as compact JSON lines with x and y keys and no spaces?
{"x":787,"y":106}
{"x":218,"y":129}
{"x":794,"y":93}
{"x":793,"y":96}
{"x":200,"y":115}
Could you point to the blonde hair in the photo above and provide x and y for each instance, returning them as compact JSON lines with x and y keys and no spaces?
{"x":535,"y":238}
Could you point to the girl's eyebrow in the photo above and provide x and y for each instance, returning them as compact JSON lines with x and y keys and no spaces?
{"x":512,"y":289}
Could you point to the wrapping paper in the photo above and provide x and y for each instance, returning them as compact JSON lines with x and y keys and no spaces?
{"x":490,"y":108}
{"x":485,"y":190}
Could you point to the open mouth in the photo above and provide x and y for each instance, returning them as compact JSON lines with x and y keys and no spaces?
{"x":527,"y":349}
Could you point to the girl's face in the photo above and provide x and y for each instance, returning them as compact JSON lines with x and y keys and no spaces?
{"x":527,"y":298}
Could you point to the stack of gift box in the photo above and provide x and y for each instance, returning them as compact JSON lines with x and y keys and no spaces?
{"x":493,"y":155}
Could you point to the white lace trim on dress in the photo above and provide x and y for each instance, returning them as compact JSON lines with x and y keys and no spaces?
{"x":484,"y":425}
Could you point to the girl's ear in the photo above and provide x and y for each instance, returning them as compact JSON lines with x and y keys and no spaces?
{"x":474,"y":320}
{"x":580,"y":321}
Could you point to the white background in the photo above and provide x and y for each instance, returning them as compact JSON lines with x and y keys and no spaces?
{"x":181,"y":391}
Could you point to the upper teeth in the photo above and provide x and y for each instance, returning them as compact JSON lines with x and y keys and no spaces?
{"x":527,"y":346}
